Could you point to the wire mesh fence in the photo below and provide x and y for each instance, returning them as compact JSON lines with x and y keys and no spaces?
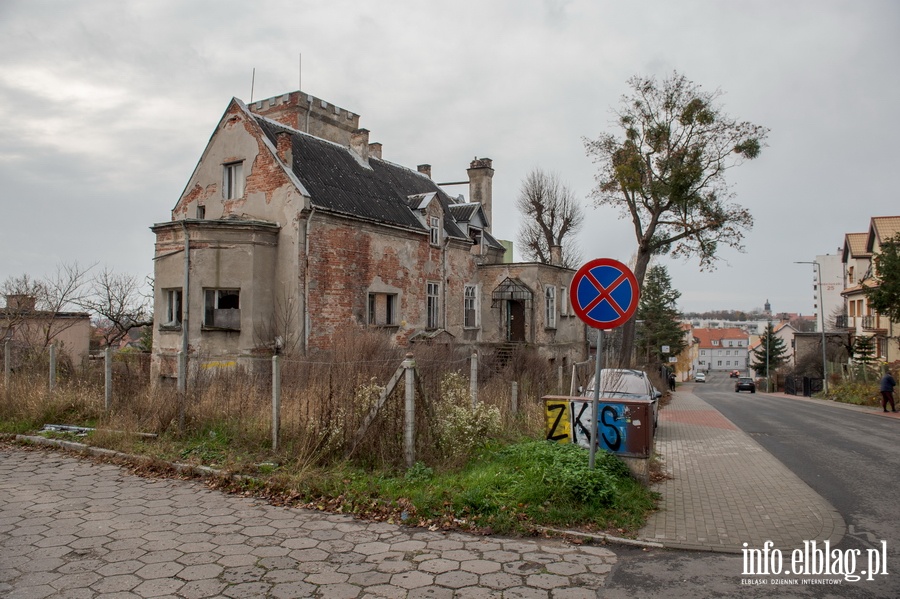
{"x":324,"y":399}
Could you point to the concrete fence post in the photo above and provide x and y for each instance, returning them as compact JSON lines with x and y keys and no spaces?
{"x":52,"y":367}
{"x":473,"y":379}
{"x":107,"y":379}
{"x":276,"y":400}
{"x":514,"y":399}
{"x":409,"y":424}
{"x":7,"y":365}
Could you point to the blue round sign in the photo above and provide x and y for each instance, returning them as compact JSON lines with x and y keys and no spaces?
{"x":604,"y":293}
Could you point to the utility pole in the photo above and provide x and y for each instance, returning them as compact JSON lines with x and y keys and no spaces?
{"x":821,"y":323}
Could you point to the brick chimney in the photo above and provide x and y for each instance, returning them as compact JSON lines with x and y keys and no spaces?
{"x":375,"y":150}
{"x":556,"y":255}
{"x":480,"y":175}
{"x":359,"y":143}
{"x":425,"y":169}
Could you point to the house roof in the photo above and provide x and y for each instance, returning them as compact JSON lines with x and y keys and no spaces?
{"x":705,"y":337}
{"x":881,"y":228}
{"x":337,"y":181}
{"x":855,"y":246}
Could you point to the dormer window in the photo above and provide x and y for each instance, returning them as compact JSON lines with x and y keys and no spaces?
{"x":233,"y":180}
{"x":434,"y":226}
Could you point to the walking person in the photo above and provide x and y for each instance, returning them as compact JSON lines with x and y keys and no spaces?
{"x":887,"y":391}
{"x":672,"y":381}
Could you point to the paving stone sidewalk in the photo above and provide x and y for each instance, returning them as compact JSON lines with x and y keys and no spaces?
{"x":724,"y":489}
{"x":77,"y":529}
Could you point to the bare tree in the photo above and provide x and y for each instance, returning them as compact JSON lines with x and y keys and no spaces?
{"x":551,"y":216}
{"x":666,"y":173}
{"x":118,"y":303}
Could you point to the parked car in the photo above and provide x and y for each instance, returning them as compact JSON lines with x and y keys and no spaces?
{"x":700,"y":377}
{"x":735,"y":374}
{"x":745,"y":383}
{"x":622,"y":383}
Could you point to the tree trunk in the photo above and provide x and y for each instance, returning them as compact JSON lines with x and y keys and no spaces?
{"x":626,"y":358}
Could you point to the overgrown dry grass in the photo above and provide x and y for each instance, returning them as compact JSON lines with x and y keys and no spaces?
{"x":225,"y":417}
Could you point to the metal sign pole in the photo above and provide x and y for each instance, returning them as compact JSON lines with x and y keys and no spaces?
{"x":595,"y":401}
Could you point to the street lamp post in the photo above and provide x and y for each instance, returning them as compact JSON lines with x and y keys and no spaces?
{"x":822,"y":319}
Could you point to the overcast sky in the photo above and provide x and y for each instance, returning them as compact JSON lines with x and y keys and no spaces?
{"x":107,"y":105}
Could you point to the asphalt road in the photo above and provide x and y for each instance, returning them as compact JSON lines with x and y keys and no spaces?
{"x":849,"y":458}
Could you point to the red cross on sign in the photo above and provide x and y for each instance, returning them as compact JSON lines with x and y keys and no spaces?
{"x":604,"y":293}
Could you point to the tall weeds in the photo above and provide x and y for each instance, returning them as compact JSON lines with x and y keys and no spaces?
{"x":225,"y":415}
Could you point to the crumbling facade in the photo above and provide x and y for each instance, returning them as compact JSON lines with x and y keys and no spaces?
{"x":292,"y":226}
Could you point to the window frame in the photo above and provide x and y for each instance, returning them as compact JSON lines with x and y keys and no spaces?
{"x":174,"y":297}
{"x":550,"y":307}
{"x":233,"y":180}
{"x":432,"y":305}
{"x":471,"y":316}
{"x":434,"y":230}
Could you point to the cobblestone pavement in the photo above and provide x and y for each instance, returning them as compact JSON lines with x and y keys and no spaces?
{"x":78,"y":529}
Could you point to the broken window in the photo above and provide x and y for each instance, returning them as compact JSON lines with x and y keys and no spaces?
{"x":233,"y":180}
{"x":222,"y":309}
{"x":173,"y":308}
{"x":383,"y":309}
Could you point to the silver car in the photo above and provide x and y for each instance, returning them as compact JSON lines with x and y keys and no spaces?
{"x":622,"y":383}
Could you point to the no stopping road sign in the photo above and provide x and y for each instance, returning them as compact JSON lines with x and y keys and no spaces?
{"x":604,"y":293}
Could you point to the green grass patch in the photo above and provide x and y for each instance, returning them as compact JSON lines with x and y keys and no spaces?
{"x":512,"y":489}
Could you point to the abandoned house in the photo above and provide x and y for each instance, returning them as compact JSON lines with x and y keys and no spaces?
{"x":293,"y":226}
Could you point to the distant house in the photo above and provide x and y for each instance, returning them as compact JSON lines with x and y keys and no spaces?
{"x":860,"y":319}
{"x":293,"y":227}
{"x":27,"y":329}
{"x":784,"y":331}
{"x":721,"y":349}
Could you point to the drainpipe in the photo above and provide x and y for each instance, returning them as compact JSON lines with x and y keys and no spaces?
{"x":306,"y":322}
{"x":185,"y":296}
{"x":444,"y":278}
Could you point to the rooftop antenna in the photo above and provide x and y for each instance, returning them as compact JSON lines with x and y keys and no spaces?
{"x":252,"y":83}
{"x":300,"y":72}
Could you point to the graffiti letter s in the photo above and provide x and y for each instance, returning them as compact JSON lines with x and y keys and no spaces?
{"x":611,"y":425}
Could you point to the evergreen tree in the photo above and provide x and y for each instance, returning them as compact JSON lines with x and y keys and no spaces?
{"x":771,"y":351}
{"x":657,"y":309}
{"x":864,"y":354}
